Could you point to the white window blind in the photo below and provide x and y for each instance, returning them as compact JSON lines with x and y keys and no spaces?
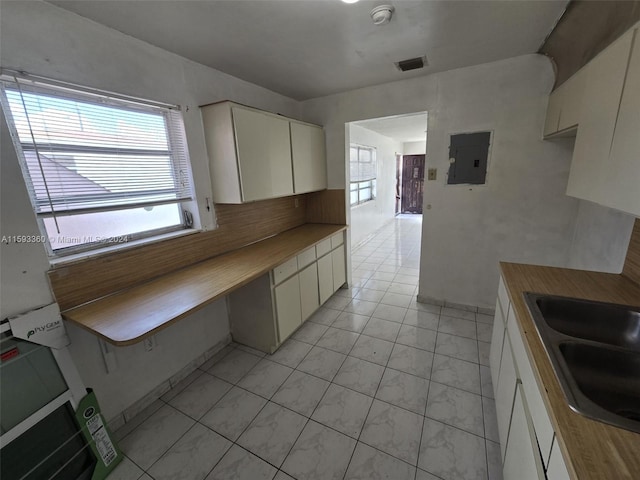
{"x":362,"y":163}
{"x":363,"y":172}
{"x":87,"y":153}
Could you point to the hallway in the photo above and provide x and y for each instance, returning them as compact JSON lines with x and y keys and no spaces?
{"x":373,"y":386}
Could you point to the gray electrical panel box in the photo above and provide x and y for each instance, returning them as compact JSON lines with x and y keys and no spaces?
{"x":468,"y":153}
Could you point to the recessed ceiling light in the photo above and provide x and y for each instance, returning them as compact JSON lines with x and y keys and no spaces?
{"x":350,"y":1}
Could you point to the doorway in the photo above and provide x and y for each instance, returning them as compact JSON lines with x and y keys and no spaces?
{"x":410,"y":180}
{"x":376,"y":186}
{"x":398,"y":183}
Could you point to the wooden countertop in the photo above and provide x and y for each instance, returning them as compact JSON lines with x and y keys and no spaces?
{"x":130,"y":315}
{"x":591,"y":449}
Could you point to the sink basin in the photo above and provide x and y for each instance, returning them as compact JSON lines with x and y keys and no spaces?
{"x":594,"y":349}
{"x":609,"y":378}
{"x":601,"y":322}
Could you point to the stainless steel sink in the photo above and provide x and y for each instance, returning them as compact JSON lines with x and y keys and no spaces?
{"x":594,"y":349}
{"x":609,"y":378}
{"x":601,"y":322}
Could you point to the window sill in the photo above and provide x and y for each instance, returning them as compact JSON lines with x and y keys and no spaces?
{"x":59,"y":261}
{"x":368,"y":202}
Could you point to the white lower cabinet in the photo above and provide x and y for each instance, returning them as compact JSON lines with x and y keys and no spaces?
{"x":288,"y":312}
{"x":497,"y":340}
{"x":339,"y":270}
{"x":309,"y":298}
{"x":264,"y":313}
{"x":505,"y":393}
{"x":521,"y":460}
{"x":525,"y":429}
{"x":557,"y":470}
{"x":325,"y":277}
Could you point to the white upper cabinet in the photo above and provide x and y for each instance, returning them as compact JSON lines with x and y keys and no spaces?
{"x":309,"y":158}
{"x":565,"y":104}
{"x":621,"y":181}
{"x":264,"y":154}
{"x":603,"y":100}
{"x":251,"y":157}
{"x":603,"y":92}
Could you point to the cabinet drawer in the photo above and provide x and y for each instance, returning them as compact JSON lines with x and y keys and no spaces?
{"x":323,"y":247}
{"x":337,"y":240}
{"x":285,"y":270}
{"x":306,"y":258}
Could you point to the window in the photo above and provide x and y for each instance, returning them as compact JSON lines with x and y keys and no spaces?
{"x":363,"y":171}
{"x":99,"y":169}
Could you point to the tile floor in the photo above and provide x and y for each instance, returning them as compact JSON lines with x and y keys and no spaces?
{"x":373,"y":386}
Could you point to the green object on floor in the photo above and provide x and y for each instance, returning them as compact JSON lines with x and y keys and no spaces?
{"x":95,"y":430}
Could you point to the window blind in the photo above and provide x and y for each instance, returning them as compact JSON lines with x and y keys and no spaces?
{"x":85,"y":152}
{"x":362,"y":163}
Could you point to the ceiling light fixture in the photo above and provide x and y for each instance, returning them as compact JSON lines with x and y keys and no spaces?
{"x":350,"y":1}
{"x":381,"y":15}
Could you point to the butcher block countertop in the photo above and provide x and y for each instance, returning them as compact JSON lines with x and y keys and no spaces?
{"x":128,"y":316}
{"x":591,"y":449}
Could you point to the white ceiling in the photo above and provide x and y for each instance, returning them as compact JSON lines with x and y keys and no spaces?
{"x":310,"y":48}
{"x":402,"y":128}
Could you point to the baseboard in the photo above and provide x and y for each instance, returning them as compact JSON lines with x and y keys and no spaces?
{"x":460,"y":306}
{"x":132,"y":411}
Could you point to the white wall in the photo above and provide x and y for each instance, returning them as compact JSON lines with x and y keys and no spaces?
{"x":414,"y":148}
{"x":370,"y":216}
{"x":521,"y":215}
{"x":42,"y":39}
{"x":600,"y":238}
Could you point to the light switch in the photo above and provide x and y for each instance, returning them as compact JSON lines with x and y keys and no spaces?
{"x":432,"y":173}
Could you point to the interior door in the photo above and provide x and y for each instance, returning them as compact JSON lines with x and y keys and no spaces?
{"x":412,"y":183}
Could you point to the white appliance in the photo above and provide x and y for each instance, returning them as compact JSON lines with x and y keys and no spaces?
{"x":39,"y":391}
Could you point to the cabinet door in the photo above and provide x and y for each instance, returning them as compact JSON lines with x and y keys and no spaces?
{"x":537,"y":410}
{"x":289,"y":316}
{"x":309,"y":300}
{"x":309,"y":158}
{"x":557,"y":469}
{"x":605,"y":76}
{"x":497,"y":340}
{"x":505,"y":393}
{"x":621,"y":188}
{"x":572,"y":100}
{"x":264,"y":154}
{"x":522,"y":461}
{"x":339,"y":268}
{"x":325,"y":278}
{"x":553,"y":112}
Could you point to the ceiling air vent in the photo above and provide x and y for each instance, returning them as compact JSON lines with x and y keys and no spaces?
{"x":411,"y":64}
